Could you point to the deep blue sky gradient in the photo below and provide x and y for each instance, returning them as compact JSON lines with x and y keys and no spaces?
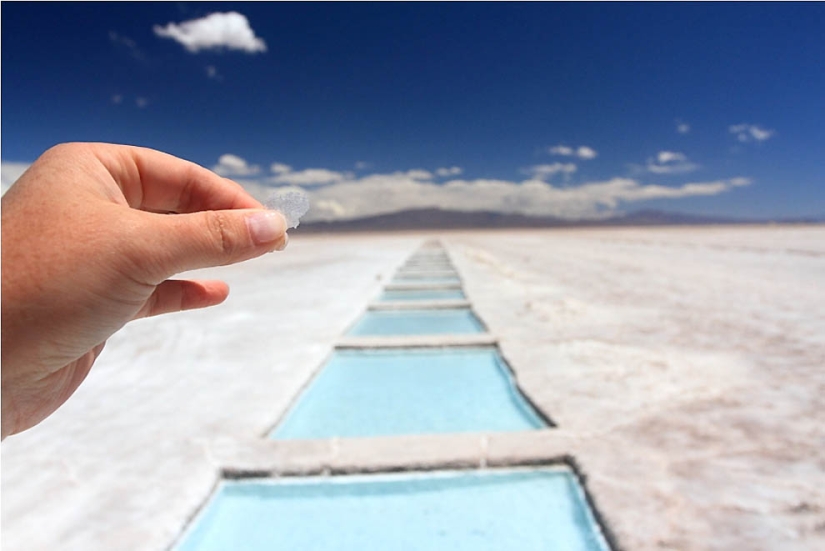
{"x":487,"y":87}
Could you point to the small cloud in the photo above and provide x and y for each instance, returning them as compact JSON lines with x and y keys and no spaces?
{"x":127,"y":44}
{"x":561,"y":150}
{"x":212,"y":73}
{"x":670,"y":157}
{"x":309,"y":177}
{"x":280,"y":168}
{"x":117,"y":99}
{"x":750,"y":132}
{"x":582,"y":152}
{"x":215,"y":31}
{"x":451,"y":171}
{"x":141,"y":102}
{"x":545,"y":172}
{"x":232,"y":165}
{"x":362,"y":165}
{"x":586,"y":153}
{"x":670,"y":162}
{"x":682,"y":127}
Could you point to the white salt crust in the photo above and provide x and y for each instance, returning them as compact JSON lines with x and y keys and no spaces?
{"x":293,"y":203}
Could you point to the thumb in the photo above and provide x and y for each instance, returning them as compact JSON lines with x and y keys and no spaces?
{"x":179,"y":242}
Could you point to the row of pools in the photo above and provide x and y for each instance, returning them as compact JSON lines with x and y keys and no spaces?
{"x":374,"y":392}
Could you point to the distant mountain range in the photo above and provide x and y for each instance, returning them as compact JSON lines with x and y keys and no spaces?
{"x":432,"y":219}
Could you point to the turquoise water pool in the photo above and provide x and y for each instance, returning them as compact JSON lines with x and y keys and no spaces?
{"x":427,"y":294}
{"x":409,"y":391}
{"x":425,"y":275}
{"x":519,"y":509}
{"x":428,"y":261}
{"x":417,"y":322}
{"x":407,"y":280}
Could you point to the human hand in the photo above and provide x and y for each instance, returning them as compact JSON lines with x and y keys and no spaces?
{"x":90,"y":235}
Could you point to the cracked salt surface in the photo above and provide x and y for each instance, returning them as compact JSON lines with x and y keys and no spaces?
{"x":293,"y":203}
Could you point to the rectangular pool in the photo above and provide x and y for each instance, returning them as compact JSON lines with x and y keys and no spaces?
{"x":529,"y":509}
{"x":415,"y":274}
{"x":426,"y":268}
{"x":426,"y":294}
{"x":409,"y":391}
{"x":403,"y":279}
{"x":416,"y":322}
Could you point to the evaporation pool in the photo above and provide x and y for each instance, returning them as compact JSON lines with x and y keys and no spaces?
{"x":417,"y":322}
{"x":525,"y":509}
{"x":423,"y":294}
{"x":405,"y":280}
{"x":409,"y":391}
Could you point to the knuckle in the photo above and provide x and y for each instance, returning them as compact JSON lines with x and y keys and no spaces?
{"x":59,"y":150}
{"x":224,"y":239}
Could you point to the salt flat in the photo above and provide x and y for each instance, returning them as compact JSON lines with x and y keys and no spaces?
{"x":683,"y":367}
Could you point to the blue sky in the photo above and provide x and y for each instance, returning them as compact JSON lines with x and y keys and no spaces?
{"x":574,"y":110}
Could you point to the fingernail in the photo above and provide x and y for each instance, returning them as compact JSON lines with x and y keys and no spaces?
{"x":284,"y":244}
{"x":265,"y":227}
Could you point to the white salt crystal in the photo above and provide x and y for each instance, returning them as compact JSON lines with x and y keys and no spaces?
{"x":293,"y":203}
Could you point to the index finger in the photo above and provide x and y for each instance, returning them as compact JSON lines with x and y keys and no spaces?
{"x":159,"y":182}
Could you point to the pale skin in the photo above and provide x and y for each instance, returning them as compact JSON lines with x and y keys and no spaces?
{"x":91,"y":235}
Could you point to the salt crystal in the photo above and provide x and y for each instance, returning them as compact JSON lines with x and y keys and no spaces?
{"x":293,"y":203}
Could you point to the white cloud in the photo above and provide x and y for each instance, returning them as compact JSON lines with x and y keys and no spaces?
{"x":582,"y":152}
{"x":586,"y":153}
{"x":740,"y":181}
{"x":141,"y":102}
{"x":9,"y":173}
{"x":670,"y":162}
{"x":215,"y":31}
{"x":280,"y":168}
{"x":682,"y":127}
{"x":750,"y":132}
{"x":418,"y":174}
{"x":362,"y":165}
{"x":309,"y":177}
{"x":561,"y":150}
{"x":451,"y":171}
{"x":670,"y":157}
{"x":331,"y":207}
{"x":232,"y":165}
{"x":545,"y":172}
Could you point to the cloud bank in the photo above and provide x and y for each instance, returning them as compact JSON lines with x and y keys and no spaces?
{"x":341,"y":195}
{"x":215,"y":31}
{"x":379,"y":194}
